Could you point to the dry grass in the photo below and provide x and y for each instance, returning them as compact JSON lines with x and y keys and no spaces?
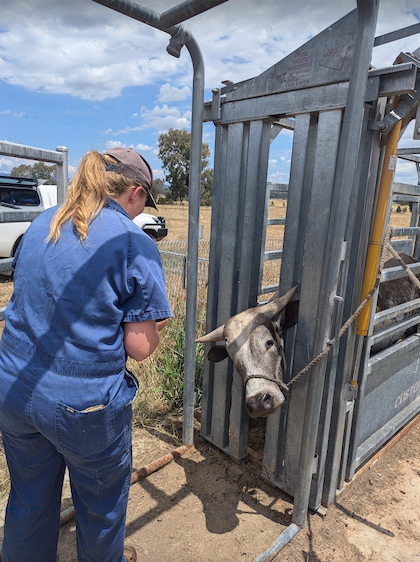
{"x":176,"y":215}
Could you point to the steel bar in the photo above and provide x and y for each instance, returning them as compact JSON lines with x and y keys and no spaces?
{"x":317,"y":98}
{"x":346,"y":168}
{"x":276,"y":221}
{"x":407,"y":231}
{"x":392,"y":273}
{"x":398,"y":34}
{"x":410,"y":158}
{"x":30,"y":152}
{"x":187,"y":10}
{"x":407,"y":151}
{"x":137,"y":12}
{"x":281,"y":541}
{"x":405,"y":189}
{"x":273,"y":255}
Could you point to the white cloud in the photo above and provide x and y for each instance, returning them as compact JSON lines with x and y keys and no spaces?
{"x":142,"y":147}
{"x":12,"y":113}
{"x":168,"y":93}
{"x":51,"y":48}
{"x":278,"y":177}
{"x":108,"y":144}
{"x":162,"y":118}
{"x":6,"y":164}
{"x":89,"y":51}
{"x":157,"y":173}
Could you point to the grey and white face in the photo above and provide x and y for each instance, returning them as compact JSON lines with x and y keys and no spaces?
{"x":261,"y":357}
{"x":254,"y":341}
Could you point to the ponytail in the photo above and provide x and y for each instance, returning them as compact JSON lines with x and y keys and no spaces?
{"x":88,"y":192}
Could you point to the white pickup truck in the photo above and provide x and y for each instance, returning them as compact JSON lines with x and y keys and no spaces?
{"x":24,"y":194}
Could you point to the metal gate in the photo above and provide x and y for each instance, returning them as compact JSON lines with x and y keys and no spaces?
{"x":338,"y":110}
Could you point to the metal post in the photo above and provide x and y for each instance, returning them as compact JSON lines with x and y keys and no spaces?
{"x":62,"y":174}
{"x":346,"y":168}
{"x":193,"y":237}
{"x":181,"y":36}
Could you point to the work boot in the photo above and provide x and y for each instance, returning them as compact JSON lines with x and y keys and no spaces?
{"x":130,"y":553}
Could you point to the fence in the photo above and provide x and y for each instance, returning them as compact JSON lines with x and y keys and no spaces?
{"x":174,"y":260}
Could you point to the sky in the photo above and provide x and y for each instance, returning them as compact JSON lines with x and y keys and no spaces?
{"x":75,"y":73}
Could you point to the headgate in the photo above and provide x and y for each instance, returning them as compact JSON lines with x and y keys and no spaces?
{"x":338,"y":108}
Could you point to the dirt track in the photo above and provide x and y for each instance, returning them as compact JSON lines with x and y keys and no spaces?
{"x":204,"y":507}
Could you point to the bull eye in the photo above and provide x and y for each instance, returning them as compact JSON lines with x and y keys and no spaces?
{"x":269,"y":343}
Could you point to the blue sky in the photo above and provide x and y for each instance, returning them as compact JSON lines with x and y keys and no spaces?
{"x":78,"y":74}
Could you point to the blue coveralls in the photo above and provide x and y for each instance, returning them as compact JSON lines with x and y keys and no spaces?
{"x":65,"y":394}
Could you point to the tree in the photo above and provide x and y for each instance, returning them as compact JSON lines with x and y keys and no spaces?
{"x":38,"y":171}
{"x":157,"y":188}
{"x":174,"y":151}
{"x":206,"y":187}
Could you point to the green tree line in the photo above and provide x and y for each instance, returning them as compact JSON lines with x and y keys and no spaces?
{"x":174,"y":152}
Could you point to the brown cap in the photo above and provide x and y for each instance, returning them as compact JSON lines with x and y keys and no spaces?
{"x":132,"y":165}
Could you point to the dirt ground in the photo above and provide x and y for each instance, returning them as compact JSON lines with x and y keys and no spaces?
{"x":205,"y":507}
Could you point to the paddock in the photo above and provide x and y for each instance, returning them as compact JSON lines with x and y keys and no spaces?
{"x":346,"y":119}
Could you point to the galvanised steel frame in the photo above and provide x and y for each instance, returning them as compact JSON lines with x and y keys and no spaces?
{"x":340,"y":115}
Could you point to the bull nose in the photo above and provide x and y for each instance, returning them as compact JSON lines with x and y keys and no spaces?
{"x":261,"y":404}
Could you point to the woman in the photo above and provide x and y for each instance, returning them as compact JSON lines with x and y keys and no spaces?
{"x":89,"y":290}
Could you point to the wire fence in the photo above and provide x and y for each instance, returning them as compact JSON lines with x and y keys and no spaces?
{"x":174,"y":261}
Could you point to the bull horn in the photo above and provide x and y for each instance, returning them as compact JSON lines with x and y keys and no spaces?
{"x":215,"y":335}
{"x":272,"y":308}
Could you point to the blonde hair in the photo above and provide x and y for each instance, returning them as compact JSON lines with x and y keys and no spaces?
{"x":89,"y":190}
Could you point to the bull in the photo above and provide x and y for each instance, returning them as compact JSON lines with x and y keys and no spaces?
{"x":391,"y":294}
{"x":254,"y":340}
{"x":398,"y":291}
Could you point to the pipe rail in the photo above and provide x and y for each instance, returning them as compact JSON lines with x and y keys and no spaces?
{"x":179,"y":37}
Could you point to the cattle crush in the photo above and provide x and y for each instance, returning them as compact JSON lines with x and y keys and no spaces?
{"x":341,"y":114}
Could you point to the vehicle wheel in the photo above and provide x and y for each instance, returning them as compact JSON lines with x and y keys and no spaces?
{"x":15,"y":247}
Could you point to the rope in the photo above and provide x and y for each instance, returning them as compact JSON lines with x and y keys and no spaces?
{"x":349,"y":322}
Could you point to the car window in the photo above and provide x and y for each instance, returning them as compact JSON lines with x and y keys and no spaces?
{"x":20,"y":197}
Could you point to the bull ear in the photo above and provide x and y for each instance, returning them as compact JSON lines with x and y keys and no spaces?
{"x":291,"y":314}
{"x":217,"y":353}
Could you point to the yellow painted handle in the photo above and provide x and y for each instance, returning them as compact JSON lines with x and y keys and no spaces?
{"x":375,"y":244}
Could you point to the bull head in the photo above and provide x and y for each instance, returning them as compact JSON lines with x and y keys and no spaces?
{"x":254,"y":342}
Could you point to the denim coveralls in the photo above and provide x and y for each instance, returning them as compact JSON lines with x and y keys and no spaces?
{"x":65,"y":395}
